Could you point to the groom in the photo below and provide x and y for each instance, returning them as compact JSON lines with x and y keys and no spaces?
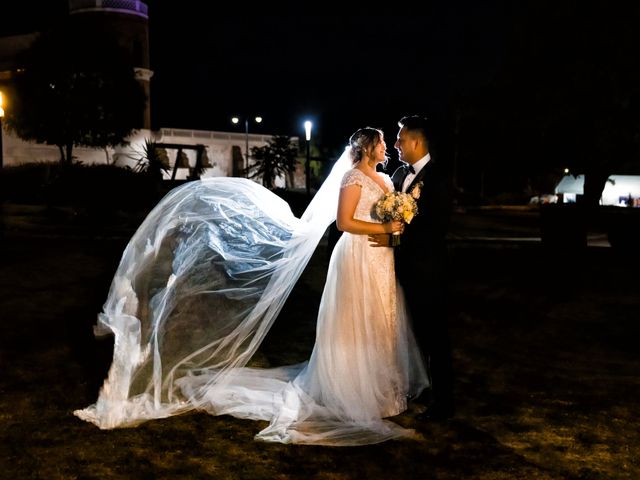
{"x":420,"y":260}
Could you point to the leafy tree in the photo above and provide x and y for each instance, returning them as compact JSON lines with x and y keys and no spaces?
{"x":277,"y":158}
{"x":76,"y":88}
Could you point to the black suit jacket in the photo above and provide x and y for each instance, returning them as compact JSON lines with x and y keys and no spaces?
{"x":421,"y":268}
{"x":421,"y":255}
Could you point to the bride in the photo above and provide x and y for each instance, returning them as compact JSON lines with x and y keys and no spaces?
{"x":203,"y":279}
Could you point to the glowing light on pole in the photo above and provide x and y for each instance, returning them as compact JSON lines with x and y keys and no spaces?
{"x":307,"y":133}
{"x":235,"y":121}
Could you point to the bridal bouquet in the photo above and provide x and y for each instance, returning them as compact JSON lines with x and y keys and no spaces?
{"x":398,"y":206}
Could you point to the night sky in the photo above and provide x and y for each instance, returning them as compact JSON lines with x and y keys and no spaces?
{"x":344,"y":72}
{"x":369,"y":69}
{"x":341,"y":71}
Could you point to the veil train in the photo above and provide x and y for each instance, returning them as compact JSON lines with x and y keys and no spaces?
{"x":198,"y":287}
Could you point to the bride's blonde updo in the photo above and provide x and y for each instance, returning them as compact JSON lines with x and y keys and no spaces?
{"x":364,"y":141}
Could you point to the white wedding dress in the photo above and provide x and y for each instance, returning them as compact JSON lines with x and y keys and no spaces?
{"x":199,"y":286}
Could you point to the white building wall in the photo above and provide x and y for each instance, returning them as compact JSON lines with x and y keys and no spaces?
{"x":219,"y":148}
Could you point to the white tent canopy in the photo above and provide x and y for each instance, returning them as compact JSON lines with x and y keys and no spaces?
{"x":617,"y":191}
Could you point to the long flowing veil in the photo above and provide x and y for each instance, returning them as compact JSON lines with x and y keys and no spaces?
{"x":198,"y":287}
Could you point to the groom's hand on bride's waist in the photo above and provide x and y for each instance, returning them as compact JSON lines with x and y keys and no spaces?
{"x":380,"y":240}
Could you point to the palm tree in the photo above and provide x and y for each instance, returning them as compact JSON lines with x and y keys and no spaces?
{"x":277,"y":158}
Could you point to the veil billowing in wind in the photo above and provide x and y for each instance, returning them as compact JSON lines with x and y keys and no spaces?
{"x":198,"y":287}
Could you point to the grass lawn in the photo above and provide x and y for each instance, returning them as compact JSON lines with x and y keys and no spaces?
{"x":545,"y":350}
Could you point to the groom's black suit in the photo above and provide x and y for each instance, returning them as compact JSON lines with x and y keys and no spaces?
{"x":421,"y":260}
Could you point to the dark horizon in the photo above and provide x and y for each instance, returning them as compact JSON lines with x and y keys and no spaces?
{"x":523,"y":90}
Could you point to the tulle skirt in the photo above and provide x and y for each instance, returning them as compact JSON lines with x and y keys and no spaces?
{"x":363,"y":366}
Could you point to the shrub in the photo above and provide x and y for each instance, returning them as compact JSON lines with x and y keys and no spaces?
{"x":92,"y":186}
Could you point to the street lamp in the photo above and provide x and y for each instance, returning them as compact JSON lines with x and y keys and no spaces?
{"x":235,"y":121}
{"x":1,"y":115}
{"x":307,"y":133}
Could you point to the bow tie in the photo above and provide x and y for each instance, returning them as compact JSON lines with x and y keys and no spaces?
{"x":409,"y":168}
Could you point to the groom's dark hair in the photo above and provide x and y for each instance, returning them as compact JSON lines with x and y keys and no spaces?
{"x":417,"y":124}
{"x":423,"y":127}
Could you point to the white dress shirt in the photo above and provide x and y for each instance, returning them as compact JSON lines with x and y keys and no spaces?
{"x":419,"y":165}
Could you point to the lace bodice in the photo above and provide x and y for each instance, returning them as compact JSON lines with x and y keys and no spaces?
{"x":371,"y":193}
